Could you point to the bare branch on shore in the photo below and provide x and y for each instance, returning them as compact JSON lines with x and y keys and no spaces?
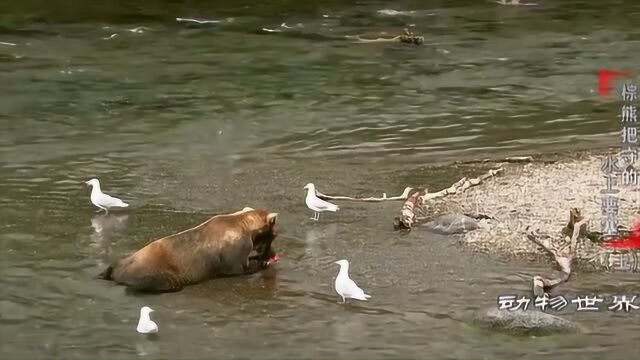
{"x":403,"y":196}
{"x":408,"y":213}
{"x":461,"y":185}
{"x":510,"y":159}
{"x":413,"y":208}
{"x":563,"y":256}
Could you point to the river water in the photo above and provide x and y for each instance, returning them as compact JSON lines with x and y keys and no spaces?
{"x":185,"y":119}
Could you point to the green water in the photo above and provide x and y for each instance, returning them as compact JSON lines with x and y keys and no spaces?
{"x":183,"y":120}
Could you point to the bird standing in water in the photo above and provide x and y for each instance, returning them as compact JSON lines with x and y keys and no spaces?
{"x":345,"y":287}
{"x":102,"y":200}
{"x":316,"y":204}
{"x":145,"y":324}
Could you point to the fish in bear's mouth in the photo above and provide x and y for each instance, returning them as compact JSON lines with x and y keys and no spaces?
{"x":272,"y":260}
{"x":268,"y":258}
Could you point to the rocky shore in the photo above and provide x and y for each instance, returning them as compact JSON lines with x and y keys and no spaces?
{"x":528,"y":206}
{"x":538,"y":195}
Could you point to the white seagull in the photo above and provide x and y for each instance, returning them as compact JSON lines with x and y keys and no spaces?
{"x":345,"y":287}
{"x":102,"y":200}
{"x":145,"y":324}
{"x":316,"y":204}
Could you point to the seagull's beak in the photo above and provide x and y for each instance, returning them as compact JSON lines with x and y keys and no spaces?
{"x":87,"y":182}
{"x":336,"y":262}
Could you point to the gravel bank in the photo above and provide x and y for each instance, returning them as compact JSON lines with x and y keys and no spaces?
{"x":540,"y":195}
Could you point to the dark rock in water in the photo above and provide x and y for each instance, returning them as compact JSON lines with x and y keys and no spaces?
{"x":451,"y":224}
{"x":520,"y":322}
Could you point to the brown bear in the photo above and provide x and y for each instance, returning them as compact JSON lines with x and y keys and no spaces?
{"x":225,"y":245}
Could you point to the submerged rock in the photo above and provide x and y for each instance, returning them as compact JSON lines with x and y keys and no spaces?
{"x":451,"y":224}
{"x":520,"y":322}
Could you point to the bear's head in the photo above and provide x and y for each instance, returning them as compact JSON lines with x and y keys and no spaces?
{"x":263,"y":235}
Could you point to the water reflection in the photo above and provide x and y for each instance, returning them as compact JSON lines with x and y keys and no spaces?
{"x":107,"y":228}
{"x":148,"y":346}
{"x":349,"y":329}
{"x":269,"y":279}
{"x":316,"y":240}
{"x":103,"y":224}
{"x":317,"y":233}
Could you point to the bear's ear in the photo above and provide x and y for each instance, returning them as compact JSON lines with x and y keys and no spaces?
{"x":271,"y":218}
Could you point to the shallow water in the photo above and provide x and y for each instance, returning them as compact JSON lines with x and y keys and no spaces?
{"x":184,"y":120}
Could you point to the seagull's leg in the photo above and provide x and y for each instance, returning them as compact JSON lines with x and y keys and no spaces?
{"x":317,"y":215}
{"x":343,"y":300}
{"x":106,"y":211}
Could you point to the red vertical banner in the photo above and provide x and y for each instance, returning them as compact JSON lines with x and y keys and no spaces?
{"x":606,"y":78}
{"x":632,"y":241}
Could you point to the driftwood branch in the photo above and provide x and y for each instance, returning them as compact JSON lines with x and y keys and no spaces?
{"x":461,"y":185}
{"x":510,"y":159}
{"x":406,"y":37}
{"x":407,"y":214}
{"x":403,"y":196}
{"x":413,"y":208}
{"x":563,"y":256}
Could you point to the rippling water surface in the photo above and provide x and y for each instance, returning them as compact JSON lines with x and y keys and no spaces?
{"x":185,"y":119}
